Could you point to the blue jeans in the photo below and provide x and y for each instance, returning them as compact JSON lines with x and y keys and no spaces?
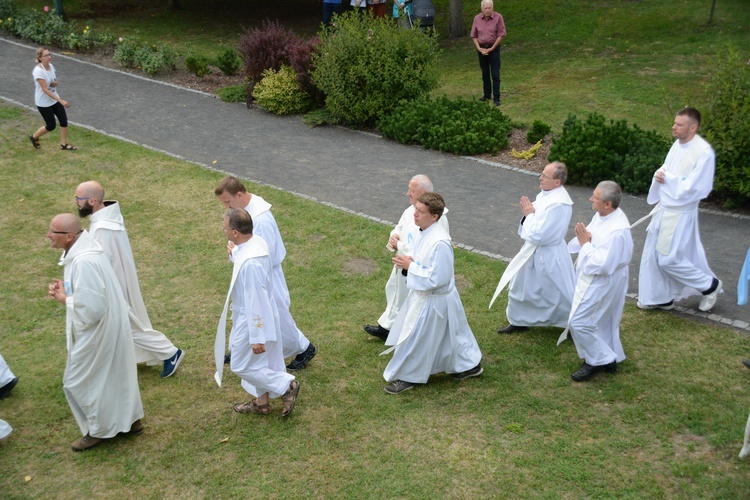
{"x":490,"y":65}
{"x":329,"y":9}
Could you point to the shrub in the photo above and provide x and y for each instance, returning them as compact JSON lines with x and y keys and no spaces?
{"x":537,"y":132}
{"x":228,"y":62}
{"x":125,"y":51}
{"x":44,"y":28}
{"x":197,"y":65}
{"x":266,"y":48}
{"x":595,"y":151}
{"x":319,"y":117}
{"x":727,"y":128}
{"x":300,"y":59}
{"x":278,"y":92}
{"x":452,"y":125}
{"x":133,"y":53}
{"x":365,"y":66}
{"x":7,"y":10}
{"x":233,"y":93}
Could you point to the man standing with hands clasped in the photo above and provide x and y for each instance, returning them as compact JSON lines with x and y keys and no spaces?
{"x":487,"y":31}
{"x":673,"y":264}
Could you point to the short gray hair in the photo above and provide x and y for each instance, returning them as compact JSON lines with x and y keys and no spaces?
{"x":239,"y":220}
{"x":561,"y":171}
{"x":484,"y":2}
{"x":423,"y":183}
{"x":611,"y":192}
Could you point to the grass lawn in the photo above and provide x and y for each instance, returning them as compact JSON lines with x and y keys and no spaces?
{"x":669,"y":424}
{"x":634,"y":60}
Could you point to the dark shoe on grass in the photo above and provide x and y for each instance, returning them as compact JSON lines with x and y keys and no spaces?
{"x":474,"y":372}
{"x":377,"y":331}
{"x":586,"y":371}
{"x":398,"y":386}
{"x":301,"y":360}
{"x":5,"y":390}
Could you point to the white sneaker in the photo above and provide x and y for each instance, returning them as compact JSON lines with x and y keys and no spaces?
{"x":709,"y":301}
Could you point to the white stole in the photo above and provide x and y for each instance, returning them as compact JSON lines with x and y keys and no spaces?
{"x":616,"y":221}
{"x":543,"y":201}
{"x":255,"y":247}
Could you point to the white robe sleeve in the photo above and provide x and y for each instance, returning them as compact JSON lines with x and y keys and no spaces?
{"x":547,"y":227}
{"x":605,"y":257}
{"x":436,"y":274}
{"x":678,"y":191}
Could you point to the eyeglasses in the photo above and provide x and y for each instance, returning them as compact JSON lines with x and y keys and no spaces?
{"x":65,"y":232}
{"x":81,"y":198}
{"x":545,"y":177}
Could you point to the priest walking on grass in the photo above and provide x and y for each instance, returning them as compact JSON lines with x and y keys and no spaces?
{"x":541,"y":277}
{"x":232,"y":194}
{"x":100,"y":380}
{"x":401,"y":241}
{"x":430,"y":334}
{"x":255,"y":342}
{"x":604,"y":249}
{"x":108,"y":229}
{"x":673,"y":263}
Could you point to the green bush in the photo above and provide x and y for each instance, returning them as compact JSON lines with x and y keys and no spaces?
{"x":44,"y":28}
{"x":726,"y":126}
{"x":125,"y":51}
{"x":7,"y":10}
{"x":537,"y":132}
{"x":228,"y":62}
{"x":233,"y":93}
{"x":365,"y":66}
{"x":278,"y":92}
{"x":197,"y":65}
{"x":595,"y":151}
{"x":451,"y":125}
{"x":318,"y":117}
{"x":133,"y":53}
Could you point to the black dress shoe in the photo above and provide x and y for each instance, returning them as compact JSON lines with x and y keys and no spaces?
{"x":746,"y":362}
{"x":377,"y":331}
{"x":513,"y":329}
{"x":5,"y":390}
{"x":586,"y":371}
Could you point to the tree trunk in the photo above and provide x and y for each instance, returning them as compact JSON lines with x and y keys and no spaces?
{"x":711,"y":15}
{"x":456,"y":9}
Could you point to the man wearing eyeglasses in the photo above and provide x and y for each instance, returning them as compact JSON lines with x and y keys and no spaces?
{"x":541,"y":277}
{"x":100,"y":380}
{"x":108,"y":229}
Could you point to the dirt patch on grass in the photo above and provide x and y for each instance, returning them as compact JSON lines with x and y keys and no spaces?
{"x":360,"y":267}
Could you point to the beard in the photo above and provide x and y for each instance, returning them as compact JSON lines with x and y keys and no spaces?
{"x":85,"y":211}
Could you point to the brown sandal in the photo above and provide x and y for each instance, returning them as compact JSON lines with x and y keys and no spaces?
{"x":252,"y":407}
{"x":290,"y":398}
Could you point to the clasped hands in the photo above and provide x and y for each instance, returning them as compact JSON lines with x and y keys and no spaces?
{"x":57,"y":291}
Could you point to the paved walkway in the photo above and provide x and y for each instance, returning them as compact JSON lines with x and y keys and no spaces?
{"x":351,"y":170}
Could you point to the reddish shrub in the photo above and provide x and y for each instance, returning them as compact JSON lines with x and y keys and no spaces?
{"x":271,"y":46}
{"x":300,"y":59}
